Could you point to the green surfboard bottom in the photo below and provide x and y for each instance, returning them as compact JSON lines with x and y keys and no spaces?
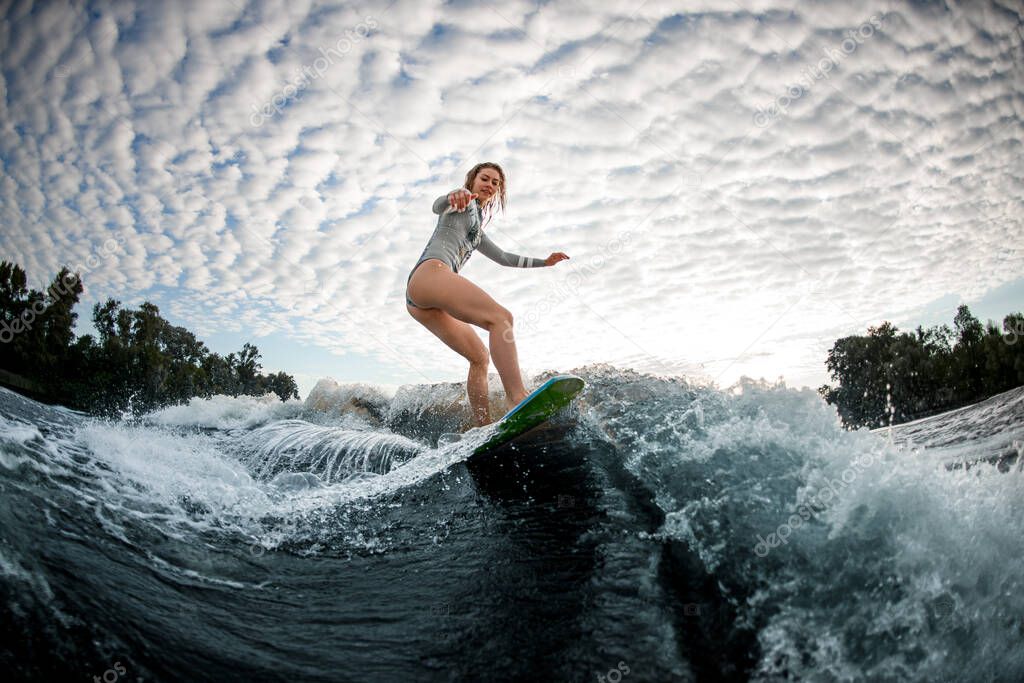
{"x":544,"y":402}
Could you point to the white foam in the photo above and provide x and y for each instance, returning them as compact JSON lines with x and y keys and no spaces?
{"x":895,"y":542}
{"x":331,"y":452}
{"x":171,"y":466}
{"x":329,"y":396}
{"x":14,"y":431}
{"x":226,"y":412}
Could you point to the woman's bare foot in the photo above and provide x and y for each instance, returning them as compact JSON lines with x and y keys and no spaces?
{"x":513,"y":401}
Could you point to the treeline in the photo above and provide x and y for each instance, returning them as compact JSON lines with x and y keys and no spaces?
{"x":889,"y":377}
{"x":138,"y":362}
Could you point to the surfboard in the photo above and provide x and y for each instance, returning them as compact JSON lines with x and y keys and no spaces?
{"x":540,"y":405}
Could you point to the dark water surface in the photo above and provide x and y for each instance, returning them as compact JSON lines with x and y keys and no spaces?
{"x":657,"y":531}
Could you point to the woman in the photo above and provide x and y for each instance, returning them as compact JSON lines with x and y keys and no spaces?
{"x":447,"y":304}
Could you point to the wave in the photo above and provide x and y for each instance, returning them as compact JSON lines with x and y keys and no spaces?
{"x":738,"y":533}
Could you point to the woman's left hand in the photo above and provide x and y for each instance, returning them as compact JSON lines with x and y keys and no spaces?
{"x":555,"y":258}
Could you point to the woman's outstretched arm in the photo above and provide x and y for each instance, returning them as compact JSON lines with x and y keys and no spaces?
{"x":498,"y":255}
{"x":457,"y":199}
{"x":440,"y":204}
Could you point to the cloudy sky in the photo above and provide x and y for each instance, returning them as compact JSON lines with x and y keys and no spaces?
{"x":737,"y":183}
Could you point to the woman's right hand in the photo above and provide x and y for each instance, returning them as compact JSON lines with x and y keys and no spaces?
{"x":459,"y":199}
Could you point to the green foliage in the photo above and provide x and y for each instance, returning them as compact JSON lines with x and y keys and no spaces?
{"x":889,"y":377}
{"x":140,"y":361}
{"x":35,"y":327}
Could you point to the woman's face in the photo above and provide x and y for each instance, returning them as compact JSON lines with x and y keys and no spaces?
{"x":486,"y":184}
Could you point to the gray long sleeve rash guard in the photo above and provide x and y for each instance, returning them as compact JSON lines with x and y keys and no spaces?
{"x":458,"y":233}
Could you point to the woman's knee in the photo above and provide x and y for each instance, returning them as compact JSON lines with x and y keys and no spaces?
{"x":500,"y":318}
{"x":480,"y":357}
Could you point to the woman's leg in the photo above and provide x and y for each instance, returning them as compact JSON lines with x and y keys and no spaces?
{"x":462,"y":339}
{"x":476,"y":387}
{"x":435,"y":285}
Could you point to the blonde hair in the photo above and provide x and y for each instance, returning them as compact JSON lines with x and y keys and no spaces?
{"x":502,"y":196}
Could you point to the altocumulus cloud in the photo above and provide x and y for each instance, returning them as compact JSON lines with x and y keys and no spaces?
{"x":703,"y":234}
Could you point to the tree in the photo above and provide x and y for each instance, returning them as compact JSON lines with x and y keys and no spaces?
{"x":139,"y":360}
{"x":968,"y":330}
{"x":889,"y":377}
{"x":247,"y":369}
{"x":283,"y":385}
